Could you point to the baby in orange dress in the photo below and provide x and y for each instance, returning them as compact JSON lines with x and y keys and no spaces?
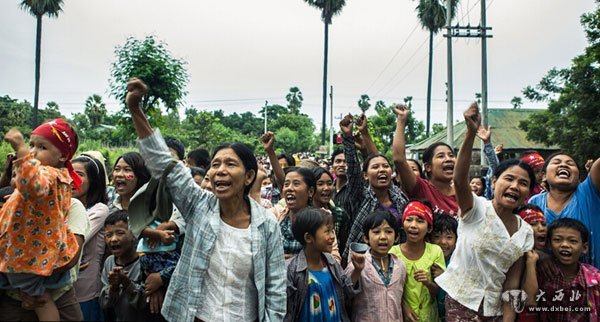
{"x":34,"y":237}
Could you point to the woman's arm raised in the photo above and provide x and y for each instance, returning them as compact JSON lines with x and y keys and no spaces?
{"x":464,"y":195}
{"x":407,"y":176}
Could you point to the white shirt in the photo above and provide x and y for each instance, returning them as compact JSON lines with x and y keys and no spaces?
{"x":484,"y":253}
{"x":230,"y":291}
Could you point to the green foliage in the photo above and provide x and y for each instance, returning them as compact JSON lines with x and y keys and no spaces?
{"x":149,"y":60}
{"x":363,"y":103}
{"x":294,"y":99}
{"x":273,"y":112}
{"x":14,"y":114}
{"x":383,"y":125}
{"x":437,"y":128}
{"x":516,"y":102}
{"x":572,"y":120}
{"x":329,"y":8}
{"x":38,"y":8}
{"x":432,"y":14}
{"x":304,"y":128}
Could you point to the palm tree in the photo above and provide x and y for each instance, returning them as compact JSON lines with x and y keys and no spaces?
{"x":363,"y":103}
{"x":39,"y":8}
{"x":95,"y":110}
{"x":432,"y":15}
{"x":329,"y":8}
{"x":294,"y":99}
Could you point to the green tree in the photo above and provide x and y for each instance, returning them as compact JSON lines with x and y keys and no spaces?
{"x":572,"y":120}
{"x":273,"y":112}
{"x":478,"y":98}
{"x":383,"y":124}
{"x":432,"y":16}
{"x":39,"y":9}
{"x":303,"y":126}
{"x":149,"y":60}
{"x":14,"y":114}
{"x":329,"y":8}
{"x":516,"y":102}
{"x":437,"y":128}
{"x":294,"y":99}
{"x":95,"y":109}
{"x":363,"y":103}
{"x":408,"y":101}
{"x":50,"y":112}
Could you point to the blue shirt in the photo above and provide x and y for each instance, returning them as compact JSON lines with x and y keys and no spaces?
{"x":583,"y":206}
{"x":321,"y":303}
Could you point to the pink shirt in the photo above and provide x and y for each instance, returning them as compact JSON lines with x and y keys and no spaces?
{"x":377,"y":302}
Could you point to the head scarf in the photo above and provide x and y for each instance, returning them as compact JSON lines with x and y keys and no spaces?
{"x":64,"y":138}
{"x":534,"y":160}
{"x":416,"y":208}
{"x":531,"y":215}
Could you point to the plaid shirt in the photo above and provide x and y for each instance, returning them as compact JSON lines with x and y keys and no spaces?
{"x":581,"y":292}
{"x":200,"y":210}
{"x":362,"y":197}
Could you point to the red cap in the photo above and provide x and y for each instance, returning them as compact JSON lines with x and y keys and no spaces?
{"x":416,"y":208}
{"x":531,"y":215}
{"x":534,"y":160}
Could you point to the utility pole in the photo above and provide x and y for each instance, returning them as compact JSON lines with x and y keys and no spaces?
{"x":470,"y":32}
{"x":265,"y":112}
{"x":331,"y":121}
{"x":450,"y":106}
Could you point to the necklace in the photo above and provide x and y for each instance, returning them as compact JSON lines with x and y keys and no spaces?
{"x":384,"y":268}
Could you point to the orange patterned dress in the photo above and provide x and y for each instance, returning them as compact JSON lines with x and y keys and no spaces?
{"x":34,"y":237}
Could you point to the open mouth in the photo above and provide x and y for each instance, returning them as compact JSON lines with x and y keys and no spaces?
{"x":382,"y":177}
{"x":565,"y":254}
{"x":120,"y":184}
{"x":290,"y":198}
{"x":541,"y":238}
{"x":115,"y":248}
{"x":514,"y":197}
{"x":221,"y":185}
{"x":563,"y":173}
{"x":448,"y":168}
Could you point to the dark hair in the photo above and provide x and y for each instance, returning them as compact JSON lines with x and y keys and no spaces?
{"x":115,"y":217}
{"x":176,"y":145}
{"x":443,"y":223}
{"x":528,"y":206}
{"x":307,"y":175}
{"x":370,"y":157}
{"x":318,"y":172}
{"x":335,"y":153}
{"x":246,"y":155}
{"x":288,"y":158}
{"x":201,"y":158}
{"x":309,"y":220}
{"x":5,"y":191}
{"x":376,"y":218}
{"x":569,"y":223}
{"x":96,"y":178}
{"x":197,"y":171}
{"x":549,"y":158}
{"x":7,"y":174}
{"x":421,"y":173}
{"x":428,"y":153}
{"x":137,"y":164}
{"x":505,"y":165}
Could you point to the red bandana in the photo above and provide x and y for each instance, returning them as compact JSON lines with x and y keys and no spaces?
{"x":531,"y":215}
{"x":64,"y":138}
{"x":534,"y":160}
{"x":415,"y":208}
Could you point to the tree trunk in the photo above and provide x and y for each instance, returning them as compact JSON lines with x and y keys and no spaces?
{"x":325,"y":49}
{"x":38,"y":52}
{"x":429,"y":80}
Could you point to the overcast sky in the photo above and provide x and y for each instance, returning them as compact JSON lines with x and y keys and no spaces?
{"x":241,"y":53}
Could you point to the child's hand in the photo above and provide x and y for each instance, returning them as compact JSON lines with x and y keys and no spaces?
{"x":358,"y":260}
{"x":136,"y":89}
{"x":436,"y":270}
{"x":14,"y":138}
{"x":421,"y":276}
{"x":114,"y":276}
{"x":153,"y":283}
{"x":409,"y":314}
{"x":167,"y":237}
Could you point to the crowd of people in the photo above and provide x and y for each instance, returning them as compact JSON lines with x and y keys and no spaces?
{"x":163,"y":235}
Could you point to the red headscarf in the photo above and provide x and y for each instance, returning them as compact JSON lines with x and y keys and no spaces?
{"x":530,"y":215}
{"x":65,"y":139}
{"x":534,"y":160}
{"x":416,"y":208}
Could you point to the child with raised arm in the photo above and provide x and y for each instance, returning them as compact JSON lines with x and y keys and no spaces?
{"x":34,"y":238}
{"x":382,"y":279}
{"x":317,"y":286}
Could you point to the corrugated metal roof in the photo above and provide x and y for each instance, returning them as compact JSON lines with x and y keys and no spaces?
{"x":505,"y":130}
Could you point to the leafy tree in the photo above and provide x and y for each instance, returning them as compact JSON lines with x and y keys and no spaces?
{"x":478,"y":98}
{"x":273,"y":112}
{"x":14,"y":114}
{"x":294,"y":99}
{"x":149,"y":60}
{"x":432,"y":16}
{"x":408,"y":101}
{"x":437,"y":128}
{"x":383,"y":124}
{"x":50,"y":112}
{"x":329,"y":8}
{"x":95,"y":109}
{"x":572,"y":120}
{"x":39,"y":9}
{"x":516,"y":102}
{"x":287,"y":140}
{"x":363,"y":103}
{"x":303,"y":126}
